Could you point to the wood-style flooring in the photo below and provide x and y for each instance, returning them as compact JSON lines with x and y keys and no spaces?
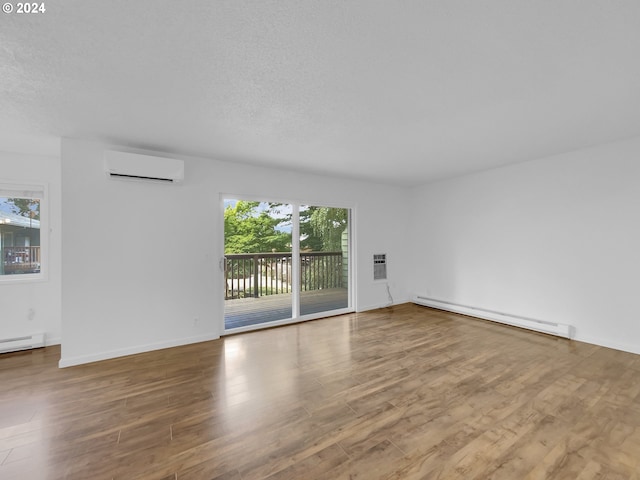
{"x":399,"y":393}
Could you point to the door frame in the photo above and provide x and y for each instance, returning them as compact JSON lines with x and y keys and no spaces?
{"x":295,"y":252}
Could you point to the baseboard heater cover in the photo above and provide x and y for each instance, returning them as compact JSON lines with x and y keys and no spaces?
{"x":27,"y":342}
{"x":558,"y":329}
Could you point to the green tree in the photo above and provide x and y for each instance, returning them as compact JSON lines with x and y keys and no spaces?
{"x":322,"y":228}
{"x":26,"y":207}
{"x":250,"y":228}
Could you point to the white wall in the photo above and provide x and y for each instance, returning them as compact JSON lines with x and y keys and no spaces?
{"x":555,"y":239}
{"x":141,"y":260}
{"x":34,"y":306}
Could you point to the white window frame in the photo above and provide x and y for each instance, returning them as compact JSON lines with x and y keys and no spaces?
{"x":10,"y":189}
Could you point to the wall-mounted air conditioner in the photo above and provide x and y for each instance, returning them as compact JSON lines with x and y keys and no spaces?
{"x":132,"y":166}
{"x":379,"y":266}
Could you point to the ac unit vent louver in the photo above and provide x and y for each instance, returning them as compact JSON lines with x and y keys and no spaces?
{"x":380,"y":266}
{"x":139,"y":177}
{"x":132,"y":166}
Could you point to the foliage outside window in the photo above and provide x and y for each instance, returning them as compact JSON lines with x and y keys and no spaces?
{"x":258,"y":227}
{"x":20,"y":234}
{"x":258,"y":245}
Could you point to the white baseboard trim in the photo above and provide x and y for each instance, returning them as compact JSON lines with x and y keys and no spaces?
{"x":48,"y":342}
{"x":558,"y":329}
{"x":623,"y":347}
{"x":122,"y":352}
{"x":374,"y":307}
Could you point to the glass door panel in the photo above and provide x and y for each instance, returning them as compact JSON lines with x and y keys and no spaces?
{"x":324,"y":259}
{"x":258,"y":267}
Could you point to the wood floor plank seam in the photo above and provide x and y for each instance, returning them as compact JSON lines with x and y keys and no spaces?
{"x":404,"y":392}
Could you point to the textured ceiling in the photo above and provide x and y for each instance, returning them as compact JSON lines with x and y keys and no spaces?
{"x":397,"y":92}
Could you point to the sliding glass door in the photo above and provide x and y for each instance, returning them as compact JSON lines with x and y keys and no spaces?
{"x":258,"y":263}
{"x":324,"y":259}
{"x":271,"y":279}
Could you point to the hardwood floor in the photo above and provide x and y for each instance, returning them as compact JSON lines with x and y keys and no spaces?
{"x":399,"y":393}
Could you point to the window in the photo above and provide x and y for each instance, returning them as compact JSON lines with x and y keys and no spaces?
{"x":21,"y":235}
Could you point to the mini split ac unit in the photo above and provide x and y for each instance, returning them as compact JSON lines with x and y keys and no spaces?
{"x":132,"y":166}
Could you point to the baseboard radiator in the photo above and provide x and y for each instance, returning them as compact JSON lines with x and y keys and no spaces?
{"x":558,"y":329}
{"x":27,"y":342}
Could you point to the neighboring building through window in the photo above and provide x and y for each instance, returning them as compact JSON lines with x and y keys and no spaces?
{"x":20,"y":232}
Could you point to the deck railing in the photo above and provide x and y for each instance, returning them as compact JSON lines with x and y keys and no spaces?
{"x":259,"y":274}
{"x":20,"y":260}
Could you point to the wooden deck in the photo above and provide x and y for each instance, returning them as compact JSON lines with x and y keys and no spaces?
{"x":253,"y":311}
